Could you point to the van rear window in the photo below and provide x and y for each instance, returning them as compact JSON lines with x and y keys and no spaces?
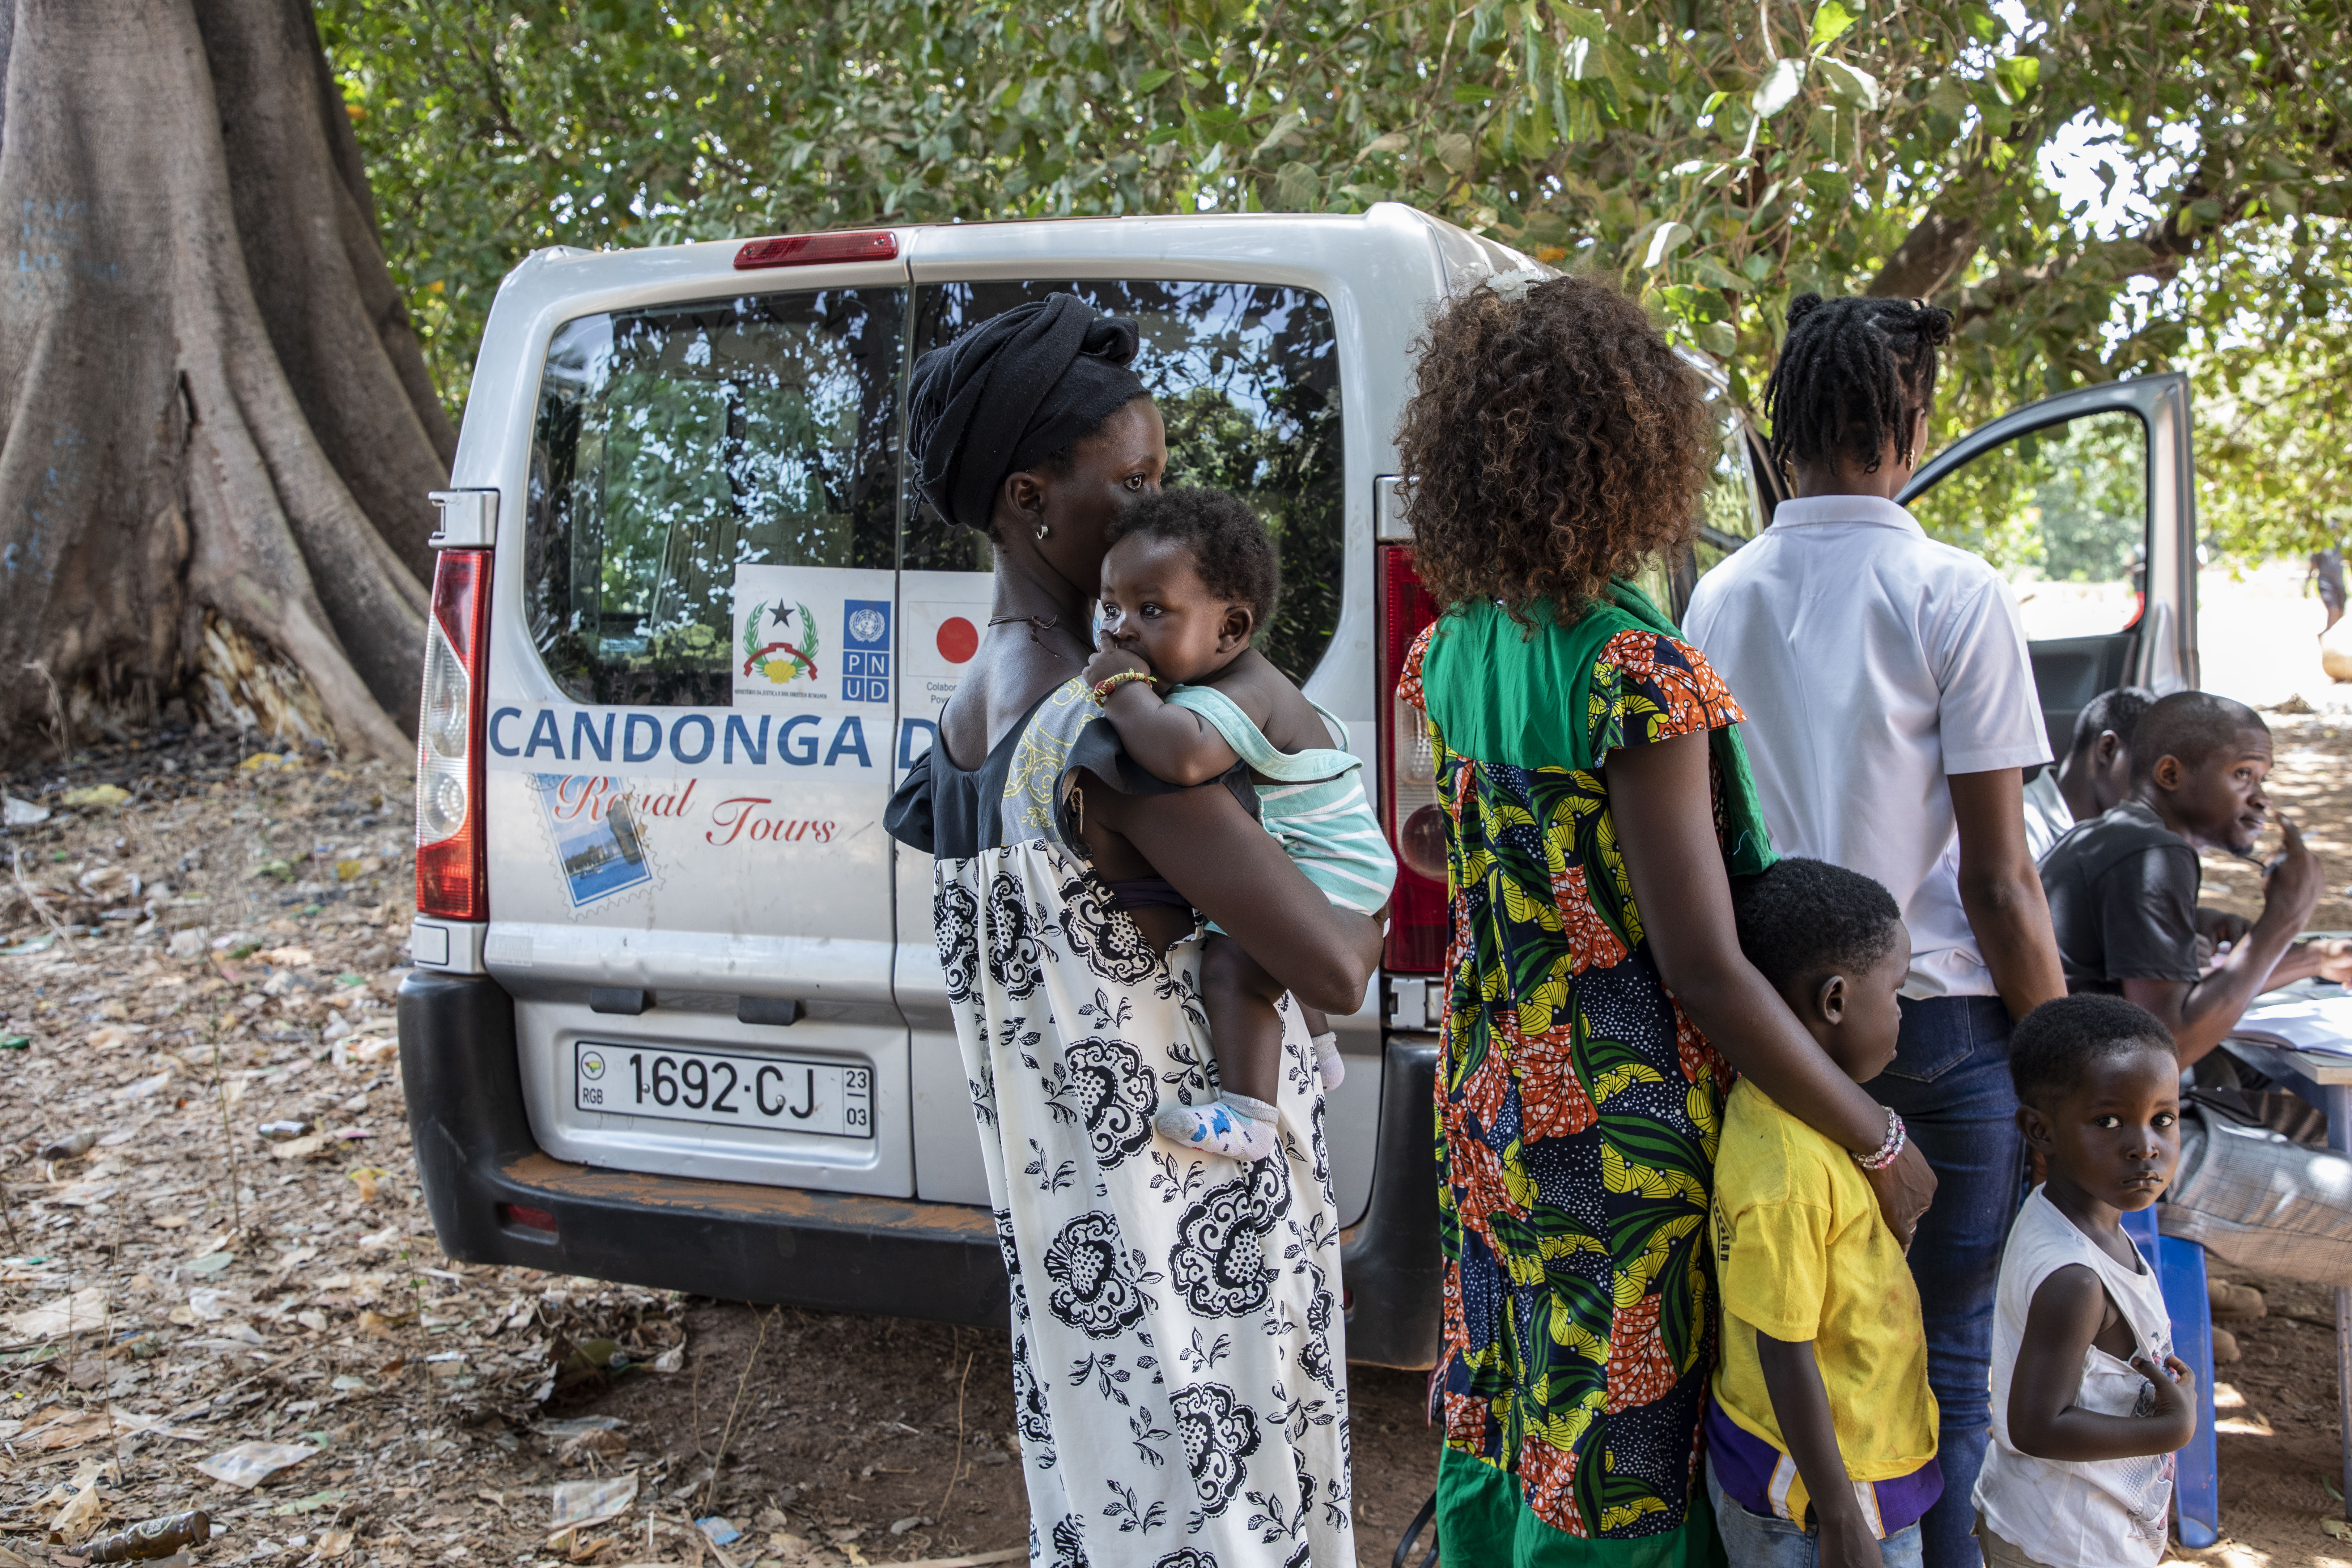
{"x":1247,"y":377}
{"x":672,"y":446}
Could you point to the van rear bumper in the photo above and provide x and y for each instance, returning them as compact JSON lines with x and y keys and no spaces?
{"x":478,"y":1165}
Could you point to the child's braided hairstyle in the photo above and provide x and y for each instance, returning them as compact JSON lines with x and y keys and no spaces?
{"x":1850,"y":377}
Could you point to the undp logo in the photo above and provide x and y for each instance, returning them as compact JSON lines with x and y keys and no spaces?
{"x":866,"y":654}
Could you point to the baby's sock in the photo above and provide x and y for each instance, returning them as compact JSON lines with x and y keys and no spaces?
{"x":1234,"y":1125}
{"x":1327,"y":1062}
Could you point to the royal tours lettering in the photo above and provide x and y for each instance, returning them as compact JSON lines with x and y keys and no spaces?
{"x":742,"y":818}
{"x":578,"y":796}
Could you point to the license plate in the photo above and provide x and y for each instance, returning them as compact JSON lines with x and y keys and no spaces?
{"x":724,"y":1090}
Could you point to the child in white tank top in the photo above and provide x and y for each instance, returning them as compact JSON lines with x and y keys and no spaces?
{"x":2089,"y":1403}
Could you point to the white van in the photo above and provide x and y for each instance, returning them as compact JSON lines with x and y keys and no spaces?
{"x":675,"y":1017}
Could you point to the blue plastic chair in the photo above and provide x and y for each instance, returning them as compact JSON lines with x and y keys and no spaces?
{"x":2180,"y":1272}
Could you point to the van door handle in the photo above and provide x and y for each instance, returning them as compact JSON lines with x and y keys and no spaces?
{"x":780,"y":1011}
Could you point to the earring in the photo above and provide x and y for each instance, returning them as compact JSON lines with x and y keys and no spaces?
{"x":1043,"y":528}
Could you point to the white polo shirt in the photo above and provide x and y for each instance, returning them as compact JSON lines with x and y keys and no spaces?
{"x":1872,"y":662}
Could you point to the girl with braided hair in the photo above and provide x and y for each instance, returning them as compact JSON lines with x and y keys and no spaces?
{"x":1854,"y":377}
{"x":1892,"y":716}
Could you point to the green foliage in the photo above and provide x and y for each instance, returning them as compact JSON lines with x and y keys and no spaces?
{"x":2067,"y":505}
{"x":1719,"y":158}
{"x":2275,"y":410}
{"x":1987,"y":508}
{"x":2092,"y":500}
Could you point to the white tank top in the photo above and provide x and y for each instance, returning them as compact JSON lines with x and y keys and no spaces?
{"x":2106,"y":1513}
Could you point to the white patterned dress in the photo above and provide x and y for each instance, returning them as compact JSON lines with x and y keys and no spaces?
{"x":1177,"y":1354}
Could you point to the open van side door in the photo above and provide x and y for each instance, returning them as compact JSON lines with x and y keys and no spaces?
{"x":2087,"y":502}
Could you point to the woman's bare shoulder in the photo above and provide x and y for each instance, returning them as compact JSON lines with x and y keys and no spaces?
{"x":998,"y":691}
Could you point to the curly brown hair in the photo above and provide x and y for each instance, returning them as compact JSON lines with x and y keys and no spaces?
{"x":1555,"y":442}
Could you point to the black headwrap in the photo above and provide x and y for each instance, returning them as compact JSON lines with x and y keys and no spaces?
{"x":1010,"y":392}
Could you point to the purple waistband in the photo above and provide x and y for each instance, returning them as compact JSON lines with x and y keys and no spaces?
{"x":1744,"y":1464}
{"x":1148,"y":893}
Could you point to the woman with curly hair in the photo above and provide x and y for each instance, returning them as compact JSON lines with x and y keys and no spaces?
{"x":1596,"y":804}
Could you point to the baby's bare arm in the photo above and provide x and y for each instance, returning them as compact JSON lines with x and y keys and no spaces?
{"x":1171,"y":742}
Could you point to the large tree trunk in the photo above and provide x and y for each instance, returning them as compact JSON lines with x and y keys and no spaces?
{"x":219,"y":428}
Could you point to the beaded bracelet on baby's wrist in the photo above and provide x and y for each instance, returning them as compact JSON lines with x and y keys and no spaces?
{"x":1886,"y":1153}
{"x":1110,"y":683}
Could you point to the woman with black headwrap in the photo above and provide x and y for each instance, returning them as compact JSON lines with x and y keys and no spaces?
{"x":1178,"y":1364}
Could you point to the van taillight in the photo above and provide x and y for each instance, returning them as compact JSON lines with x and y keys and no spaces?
{"x":1418,"y":918}
{"x":451,"y":884}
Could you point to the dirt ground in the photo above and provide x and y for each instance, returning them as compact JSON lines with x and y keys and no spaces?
{"x":210,"y":944}
{"x":2281,"y":1467}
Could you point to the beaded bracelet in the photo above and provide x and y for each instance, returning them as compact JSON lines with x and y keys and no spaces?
{"x":1110,"y":683}
{"x":1886,"y":1153}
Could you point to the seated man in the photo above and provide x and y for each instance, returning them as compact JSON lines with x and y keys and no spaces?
{"x":2094,"y":778}
{"x":2122,"y":904}
{"x":2095,"y":773}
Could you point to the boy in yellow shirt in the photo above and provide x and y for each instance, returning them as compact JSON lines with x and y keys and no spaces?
{"x":1821,"y":1430}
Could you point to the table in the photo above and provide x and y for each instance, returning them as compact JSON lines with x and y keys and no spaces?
{"x":2325,"y":1081}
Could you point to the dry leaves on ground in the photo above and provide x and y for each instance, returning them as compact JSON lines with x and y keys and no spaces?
{"x":262,"y":1325}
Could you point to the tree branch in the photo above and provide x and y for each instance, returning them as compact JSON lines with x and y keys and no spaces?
{"x":2156,"y":253}
{"x":1933,"y":253}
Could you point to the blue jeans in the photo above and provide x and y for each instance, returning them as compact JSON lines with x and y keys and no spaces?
{"x":1753,"y":1540}
{"x":1950,"y":1082}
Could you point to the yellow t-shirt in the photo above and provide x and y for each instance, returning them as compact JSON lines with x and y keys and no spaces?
{"x":1801,"y":1253}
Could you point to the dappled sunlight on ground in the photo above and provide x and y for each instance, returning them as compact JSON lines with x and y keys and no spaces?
{"x":2258,"y":634}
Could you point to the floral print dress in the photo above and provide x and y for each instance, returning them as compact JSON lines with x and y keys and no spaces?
{"x":1578,"y":1114}
{"x":1178,"y":1359}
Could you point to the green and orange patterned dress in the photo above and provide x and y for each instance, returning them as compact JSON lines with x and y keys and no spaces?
{"x":1578,"y":1109}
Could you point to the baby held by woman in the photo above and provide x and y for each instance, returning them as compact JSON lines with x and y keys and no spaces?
{"x":1190,"y":579}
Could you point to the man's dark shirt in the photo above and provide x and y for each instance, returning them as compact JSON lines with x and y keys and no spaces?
{"x":2123,"y":900}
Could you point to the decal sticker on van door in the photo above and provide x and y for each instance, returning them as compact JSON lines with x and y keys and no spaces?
{"x":596,"y":838}
{"x":707,"y":817}
{"x":946,"y":616}
{"x":813,"y":635}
